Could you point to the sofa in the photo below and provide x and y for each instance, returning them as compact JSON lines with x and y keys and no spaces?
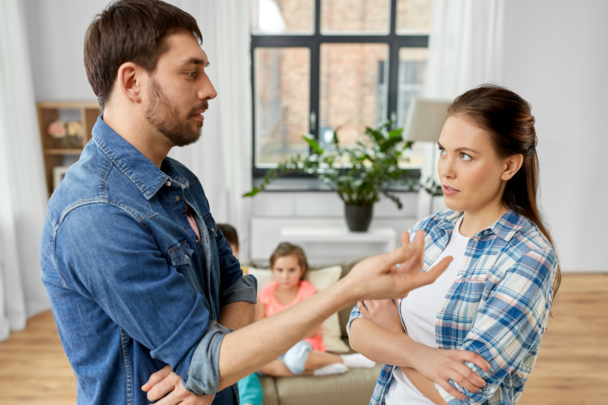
{"x":352,"y":388}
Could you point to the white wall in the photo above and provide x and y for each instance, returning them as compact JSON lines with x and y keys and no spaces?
{"x":557,"y":59}
{"x":56,"y":32}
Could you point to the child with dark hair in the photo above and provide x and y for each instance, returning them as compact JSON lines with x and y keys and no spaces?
{"x":308,"y":357}
{"x":250,"y":389}
{"x":232,"y":237}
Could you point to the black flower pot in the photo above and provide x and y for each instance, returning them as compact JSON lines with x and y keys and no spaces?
{"x":358,"y":217}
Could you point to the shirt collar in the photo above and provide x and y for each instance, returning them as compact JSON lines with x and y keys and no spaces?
{"x":505,"y":228}
{"x":139,"y":169}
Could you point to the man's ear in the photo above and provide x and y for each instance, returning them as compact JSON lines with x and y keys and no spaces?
{"x":511,"y":166}
{"x":129,"y":81}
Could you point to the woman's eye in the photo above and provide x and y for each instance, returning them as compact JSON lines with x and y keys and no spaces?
{"x":465,"y":157}
{"x":442,"y":151}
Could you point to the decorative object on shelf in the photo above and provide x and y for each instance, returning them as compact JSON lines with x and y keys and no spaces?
{"x":358,"y":174}
{"x":58,"y":175}
{"x":69,"y":132}
{"x":65,"y":127}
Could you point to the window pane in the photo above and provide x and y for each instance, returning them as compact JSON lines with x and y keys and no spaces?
{"x":282,"y":94}
{"x":355,"y":16}
{"x":277,"y":17}
{"x":412,"y":70}
{"x":353,"y":89}
{"x":414,"y":16}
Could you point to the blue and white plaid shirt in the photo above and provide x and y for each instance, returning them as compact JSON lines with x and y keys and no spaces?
{"x":498,"y":309}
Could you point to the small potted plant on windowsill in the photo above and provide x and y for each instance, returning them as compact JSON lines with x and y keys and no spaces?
{"x":358,"y":174}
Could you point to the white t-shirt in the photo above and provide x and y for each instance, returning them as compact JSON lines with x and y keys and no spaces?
{"x":419,"y":310}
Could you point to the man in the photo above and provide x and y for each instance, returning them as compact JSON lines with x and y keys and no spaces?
{"x":139,"y":277}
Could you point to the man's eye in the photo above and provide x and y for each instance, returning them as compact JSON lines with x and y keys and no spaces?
{"x":191,"y":74}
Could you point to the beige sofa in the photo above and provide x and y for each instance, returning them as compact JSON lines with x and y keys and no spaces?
{"x":352,"y":388}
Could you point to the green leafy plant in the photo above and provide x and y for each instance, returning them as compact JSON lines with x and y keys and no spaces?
{"x":358,"y":174}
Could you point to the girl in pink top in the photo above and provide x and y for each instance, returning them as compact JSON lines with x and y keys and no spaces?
{"x":288,"y":264}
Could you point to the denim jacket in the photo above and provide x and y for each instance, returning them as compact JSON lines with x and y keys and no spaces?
{"x":131,"y":286}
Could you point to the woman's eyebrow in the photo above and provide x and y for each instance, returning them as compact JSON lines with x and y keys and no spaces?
{"x":463,"y":149}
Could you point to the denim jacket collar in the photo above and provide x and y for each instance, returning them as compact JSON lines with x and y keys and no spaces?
{"x":505,"y":228}
{"x":143,"y":173}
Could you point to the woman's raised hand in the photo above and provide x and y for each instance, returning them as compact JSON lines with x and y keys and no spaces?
{"x":379,"y":277}
{"x":384,"y":313}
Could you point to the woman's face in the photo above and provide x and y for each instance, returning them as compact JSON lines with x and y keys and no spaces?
{"x":470,"y":171}
{"x":287,"y":272}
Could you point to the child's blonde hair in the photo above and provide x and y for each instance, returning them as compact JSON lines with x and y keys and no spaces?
{"x":288,"y":249}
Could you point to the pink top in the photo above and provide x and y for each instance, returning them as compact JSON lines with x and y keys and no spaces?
{"x":273,"y":306}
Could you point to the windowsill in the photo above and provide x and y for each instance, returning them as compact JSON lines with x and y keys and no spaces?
{"x":306,"y":185}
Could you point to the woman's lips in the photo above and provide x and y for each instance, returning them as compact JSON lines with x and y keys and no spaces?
{"x":449,"y":191}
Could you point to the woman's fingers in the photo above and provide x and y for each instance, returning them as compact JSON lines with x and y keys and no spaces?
{"x":443,"y":383}
{"x":156,"y":378}
{"x":362,"y":308}
{"x":472,"y":381}
{"x":474,"y":358}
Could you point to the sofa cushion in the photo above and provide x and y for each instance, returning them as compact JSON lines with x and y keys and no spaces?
{"x":270,"y":391}
{"x":352,"y":388}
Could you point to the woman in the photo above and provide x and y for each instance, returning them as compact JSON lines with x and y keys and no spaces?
{"x":474,"y":334}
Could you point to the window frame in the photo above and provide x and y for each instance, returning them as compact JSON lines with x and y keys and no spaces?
{"x":313,"y":42}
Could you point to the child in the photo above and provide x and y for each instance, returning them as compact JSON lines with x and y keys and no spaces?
{"x":233,"y":240}
{"x":250,"y":389}
{"x":308,"y":357}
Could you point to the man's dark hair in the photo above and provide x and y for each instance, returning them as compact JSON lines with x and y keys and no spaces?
{"x":130,"y":31}
{"x":230,"y":234}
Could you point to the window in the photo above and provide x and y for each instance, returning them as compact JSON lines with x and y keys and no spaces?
{"x":322,"y":64}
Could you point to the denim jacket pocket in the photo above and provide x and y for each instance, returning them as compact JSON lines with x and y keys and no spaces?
{"x":180,"y":254}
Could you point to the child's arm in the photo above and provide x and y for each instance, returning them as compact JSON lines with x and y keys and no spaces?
{"x":260,"y":311}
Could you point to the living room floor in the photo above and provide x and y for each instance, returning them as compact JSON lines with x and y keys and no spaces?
{"x":571,"y":368}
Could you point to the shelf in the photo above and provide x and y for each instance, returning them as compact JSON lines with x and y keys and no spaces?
{"x":62,"y":151}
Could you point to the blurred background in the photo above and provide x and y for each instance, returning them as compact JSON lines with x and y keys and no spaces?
{"x":284,"y":68}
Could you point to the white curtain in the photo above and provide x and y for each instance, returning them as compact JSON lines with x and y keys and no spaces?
{"x":22,"y":186}
{"x":222,"y":157}
{"x":466,"y":48}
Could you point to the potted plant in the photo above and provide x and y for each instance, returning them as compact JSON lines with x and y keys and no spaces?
{"x":358,"y":174}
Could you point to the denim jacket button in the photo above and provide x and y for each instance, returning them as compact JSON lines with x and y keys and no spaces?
{"x":168,"y":184}
{"x":176,"y":198}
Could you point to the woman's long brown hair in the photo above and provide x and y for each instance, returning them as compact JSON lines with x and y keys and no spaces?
{"x":509,"y":120}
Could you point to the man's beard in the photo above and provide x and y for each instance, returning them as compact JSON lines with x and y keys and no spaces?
{"x":167,"y":120}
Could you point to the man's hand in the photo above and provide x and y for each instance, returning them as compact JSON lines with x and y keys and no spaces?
{"x":384,"y":313}
{"x":379,"y":277}
{"x":165,"y":382}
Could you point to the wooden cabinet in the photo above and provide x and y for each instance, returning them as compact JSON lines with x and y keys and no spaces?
{"x":54,"y":150}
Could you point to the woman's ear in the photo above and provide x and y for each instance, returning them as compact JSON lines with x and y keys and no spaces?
{"x":511,"y":166}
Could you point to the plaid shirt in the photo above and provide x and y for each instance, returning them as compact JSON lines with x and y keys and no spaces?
{"x":498,"y":309}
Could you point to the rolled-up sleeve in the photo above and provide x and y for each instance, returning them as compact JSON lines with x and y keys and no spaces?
{"x":243,"y":290}
{"x":508,"y":327}
{"x":204,"y":375}
{"x":117,"y":264}
{"x":354,"y":314}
